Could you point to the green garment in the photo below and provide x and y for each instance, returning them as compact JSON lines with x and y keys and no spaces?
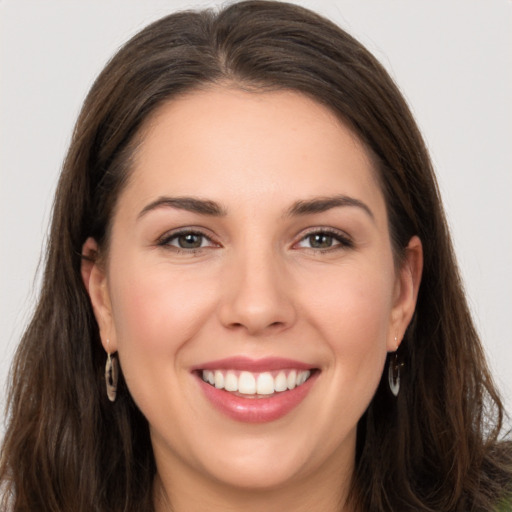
{"x":505,"y":505}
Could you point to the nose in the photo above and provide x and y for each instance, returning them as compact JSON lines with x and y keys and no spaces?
{"x":257,"y":295}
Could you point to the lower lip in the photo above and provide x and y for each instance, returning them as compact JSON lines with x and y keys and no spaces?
{"x":257,"y":410}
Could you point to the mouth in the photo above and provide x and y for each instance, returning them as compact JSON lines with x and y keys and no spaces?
{"x":248,"y":384}
{"x":255,"y":391}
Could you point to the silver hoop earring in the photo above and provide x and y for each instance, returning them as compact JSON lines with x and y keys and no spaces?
{"x":111,"y":376}
{"x":394,"y":374}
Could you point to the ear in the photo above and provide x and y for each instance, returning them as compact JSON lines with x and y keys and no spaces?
{"x":95,"y":282}
{"x":406,"y":292}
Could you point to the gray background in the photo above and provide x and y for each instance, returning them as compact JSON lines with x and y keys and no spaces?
{"x":452,"y":59}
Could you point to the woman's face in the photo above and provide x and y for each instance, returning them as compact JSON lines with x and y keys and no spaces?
{"x":250,"y":248}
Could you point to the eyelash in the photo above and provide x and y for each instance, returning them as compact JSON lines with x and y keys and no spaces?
{"x":343,"y":241}
{"x":165,"y":241}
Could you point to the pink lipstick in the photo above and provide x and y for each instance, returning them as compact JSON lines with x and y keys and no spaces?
{"x":255,"y":390}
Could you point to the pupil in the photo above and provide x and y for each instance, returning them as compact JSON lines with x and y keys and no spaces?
{"x":321,"y":241}
{"x":190,"y":241}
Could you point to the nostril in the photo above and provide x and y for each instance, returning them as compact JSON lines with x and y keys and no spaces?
{"x":256,"y":329}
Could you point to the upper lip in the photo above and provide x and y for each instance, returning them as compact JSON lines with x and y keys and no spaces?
{"x":253,"y":365}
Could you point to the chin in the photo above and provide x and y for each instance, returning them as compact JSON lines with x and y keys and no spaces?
{"x":255,"y":476}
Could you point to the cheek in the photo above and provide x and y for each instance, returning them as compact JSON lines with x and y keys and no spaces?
{"x":156,"y":312}
{"x":352,"y":305}
{"x":353,"y":317}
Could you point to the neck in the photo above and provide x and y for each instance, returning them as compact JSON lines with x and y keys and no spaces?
{"x":325,"y":491}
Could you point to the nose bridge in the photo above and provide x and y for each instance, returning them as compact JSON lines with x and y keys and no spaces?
{"x":256,"y":295}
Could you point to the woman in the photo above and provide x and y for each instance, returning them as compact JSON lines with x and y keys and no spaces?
{"x":250,"y":298}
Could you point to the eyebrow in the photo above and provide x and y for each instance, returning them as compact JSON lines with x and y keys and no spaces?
{"x":322,"y":204}
{"x":191,"y":204}
{"x":299,"y":208}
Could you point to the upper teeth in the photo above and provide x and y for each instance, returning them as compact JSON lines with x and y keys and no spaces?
{"x":249,"y":383}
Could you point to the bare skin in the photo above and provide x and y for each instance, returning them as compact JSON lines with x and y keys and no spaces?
{"x":252,"y":225}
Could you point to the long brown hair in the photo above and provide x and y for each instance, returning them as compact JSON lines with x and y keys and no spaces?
{"x":67,"y":448}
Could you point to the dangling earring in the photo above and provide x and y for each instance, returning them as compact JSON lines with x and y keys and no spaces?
{"x":111,"y":376}
{"x":394,"y":372}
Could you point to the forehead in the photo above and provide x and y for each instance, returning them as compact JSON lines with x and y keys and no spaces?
{"x":224,"y":143}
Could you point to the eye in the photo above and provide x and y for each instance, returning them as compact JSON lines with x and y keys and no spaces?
{"x":324,"y":240}
{"x":186,"y":241}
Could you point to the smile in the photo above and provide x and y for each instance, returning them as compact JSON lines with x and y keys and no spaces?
{"x":255,"y":391}
{"x":256,"y":385}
